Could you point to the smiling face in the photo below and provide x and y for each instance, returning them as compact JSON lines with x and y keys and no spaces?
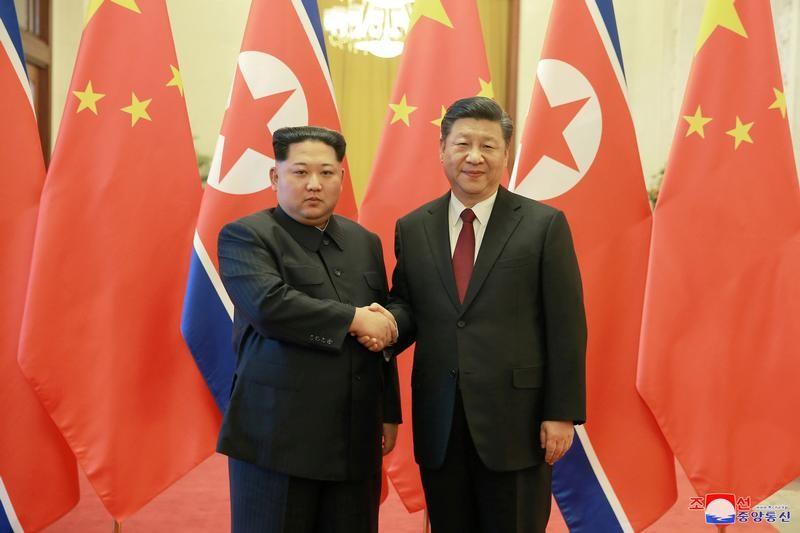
{"x":474,"y":156}
{"x":308,"y":182}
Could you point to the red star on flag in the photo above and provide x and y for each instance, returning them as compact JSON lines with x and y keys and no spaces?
{"x":548,"y":137}
{"x":245,"y":123}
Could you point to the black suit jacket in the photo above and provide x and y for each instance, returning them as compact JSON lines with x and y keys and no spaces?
{"x":307,"y":399}
{"x":515,"y":347}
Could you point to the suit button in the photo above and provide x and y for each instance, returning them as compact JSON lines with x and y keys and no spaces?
{"x":337,"y":272}
{"x":357,"y":377}
{"x":326,"y":242}
{"x":461,"y":323}
{"x":453,"y":373}
{"x":330,"y":341}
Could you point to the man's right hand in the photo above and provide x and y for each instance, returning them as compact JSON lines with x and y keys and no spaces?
{"x":373,"y":328}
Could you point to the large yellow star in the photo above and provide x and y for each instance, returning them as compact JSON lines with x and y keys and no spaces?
{"x":696,"y":123}
{"x":740,"y":133}
{"x":719,"y":13}
{"x":94,"y":5}
{"x":779,"y":103}
{"x":88,"y":98}
{"x":438,"y":121}
{"x":137,"y":109}
{"x":177,"y":79}
{"x":402,"y":111}
{"x":433,"y":9}
{"x":487,"y":89}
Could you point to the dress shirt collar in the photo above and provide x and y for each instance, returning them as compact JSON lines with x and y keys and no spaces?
{"x":309,"y":237}
{"x":482,"y":209}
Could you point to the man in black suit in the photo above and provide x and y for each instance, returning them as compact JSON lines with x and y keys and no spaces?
{"x":311,"y":410}
{"x":487,"y":283}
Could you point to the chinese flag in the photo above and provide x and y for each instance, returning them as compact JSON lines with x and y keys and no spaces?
{"x":444,"y":60}
{"x":718,"y":361}
{"x":579,"y":154}
{"x":100,"y":339}
{"x":38,"y":474}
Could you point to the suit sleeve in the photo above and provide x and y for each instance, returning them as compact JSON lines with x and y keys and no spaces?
{"x":565,"y":326}
{"x":260,"y":294}
{"x":400,"y":304}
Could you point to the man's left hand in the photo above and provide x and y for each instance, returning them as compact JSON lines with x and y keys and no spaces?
{"x":556,"y":438}
{"x":389,"y":437}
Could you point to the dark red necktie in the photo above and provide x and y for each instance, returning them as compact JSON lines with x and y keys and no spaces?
{"x":464,"y":254}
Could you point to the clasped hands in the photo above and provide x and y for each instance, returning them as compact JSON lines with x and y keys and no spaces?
{"x":374,"y":326}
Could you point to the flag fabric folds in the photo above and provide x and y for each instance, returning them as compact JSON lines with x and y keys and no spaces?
{"x":407,"y":171}
{"x":31,"y":447}
{"x":718,"y":361}
{"x":579,"y":153}
{"x":100,"y":338}
{"x":281,"y":79}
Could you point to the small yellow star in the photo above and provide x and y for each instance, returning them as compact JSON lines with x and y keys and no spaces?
{"x":433,"y":9}
{"x":438,"y":121}
{"x":88,"y":98}
{"x":177,"y":79}
{"x":402,"y":111}
{"x":137,"y":109}
{"x":719,"y":13}
{"x":740,"y":133}
{"x":779,"y":103}
{"x":696,"y":123}
{"x":487,"y":89}
{"x":94,"y":5}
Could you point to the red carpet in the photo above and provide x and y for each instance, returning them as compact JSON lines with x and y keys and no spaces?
{"x":198,"y":503}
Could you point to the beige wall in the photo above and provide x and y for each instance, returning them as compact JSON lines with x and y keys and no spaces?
{"x":657,"y":39}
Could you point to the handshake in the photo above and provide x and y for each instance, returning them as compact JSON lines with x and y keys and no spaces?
{"x":374,"y":326}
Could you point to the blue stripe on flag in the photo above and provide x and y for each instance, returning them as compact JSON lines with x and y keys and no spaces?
{"x":579,"y":494}
{"x":207,"y":329}
{"x":5,"y":525}
{"x":312,"y":9}
{"x":8,"y":15}
{"x":606,"y":8}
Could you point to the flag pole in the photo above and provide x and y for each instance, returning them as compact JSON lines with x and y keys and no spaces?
{"x":426,"y":528}
{"x":116,"y":527}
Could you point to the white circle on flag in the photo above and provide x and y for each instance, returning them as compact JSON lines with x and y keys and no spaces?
{"x":562,"y":83}
{"x":264,"y":75}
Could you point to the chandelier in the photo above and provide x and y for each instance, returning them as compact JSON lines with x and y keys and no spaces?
{"x":378,"y":27}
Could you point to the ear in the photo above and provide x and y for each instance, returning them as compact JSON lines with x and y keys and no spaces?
{"x":273,"y":178}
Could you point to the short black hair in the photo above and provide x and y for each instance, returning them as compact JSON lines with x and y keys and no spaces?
{"x":477,"y":107}
{"x":283,"y":138}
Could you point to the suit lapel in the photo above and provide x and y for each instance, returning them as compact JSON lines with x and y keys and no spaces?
{"x":438,"y":233}
{"x":502,"y":222}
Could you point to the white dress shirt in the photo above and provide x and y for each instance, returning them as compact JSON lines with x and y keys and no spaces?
{"x":482,"y":210}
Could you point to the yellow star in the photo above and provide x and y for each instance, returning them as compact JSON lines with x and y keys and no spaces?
{"x":487,"y":89}
{"x":740,"y":133}
{"x":94,"y":5}
{"x":696,"y":123}
{"x":137,"y":109}
{"x":402,"y":111}
{"x":177,"y":79}
{"x":433,"y":9}
{"x":779,"y":103}
{"x":438,"y":121}
{"x":88,"y":98}
{"x":719,"y":13}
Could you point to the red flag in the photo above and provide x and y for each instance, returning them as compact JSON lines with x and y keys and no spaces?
{"x":407,"y":171}
{"x":579,"y":154}
{"x":38,"y":474}
{"x":718,"y":361}
{"x":100,"y":339}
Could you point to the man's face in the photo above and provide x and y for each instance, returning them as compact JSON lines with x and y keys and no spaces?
{"x":474,"y":156}
{"x":309,"y":182}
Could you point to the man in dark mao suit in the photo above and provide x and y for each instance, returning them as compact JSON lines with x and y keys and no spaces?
{"x":311,"y":409}
{"x":487,"y":283}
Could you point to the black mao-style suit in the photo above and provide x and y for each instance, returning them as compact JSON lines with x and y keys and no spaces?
{"x":307,"y":399}
{"x":513,"y":351}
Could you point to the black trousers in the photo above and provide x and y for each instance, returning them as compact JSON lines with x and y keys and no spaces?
{"x":463,"y":496}
{"x":265,"y":501}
